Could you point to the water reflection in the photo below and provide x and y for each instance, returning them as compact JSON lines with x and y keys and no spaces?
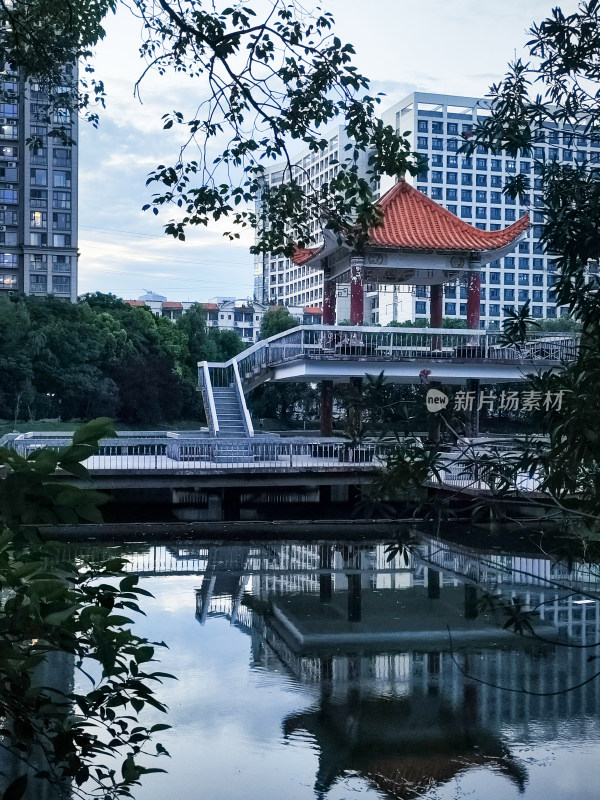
{"x":373,"y":676}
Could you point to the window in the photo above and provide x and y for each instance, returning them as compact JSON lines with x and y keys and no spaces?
{"x":38,"y":198}
{"x":8,"y":131}
{"x":450,"y":292}
{"x":496,"y":181}
{"x":9,"y":196}
{"x":537,"y":280}
{"x":537,"y":296}
{"x":420,"y":307}
{"x":61,"y":157}
{"x":509,"y":294}
{"x":481,"y":212}
{"x":9,"y":218}
{"x":38,"y":239}
{"x":452,"y":162}
{"x":452,"y":209}
{"x":39,"y":135}
{"x":494,"y":277}
{"x":451,"y":177}
{"x":437,"y":177}
{"x":38,"y":177}
{"x":437,"y":127}
{"x":61,"y":240}
{"x":8,"y":174}
{"x":525,"y":167}
{"x":481,"y":197}
{"x":450,"y":308}
{"x":495,"y":213}
{"x":437,"y":144}
{"x":466,"y":195}
{"x":509,"y":278}
{"x":62,"y":179}
{"x":494,"y":310}
{"x":467,"y":179}
{"x":9,"y":238}
{"x":481,"y":180}
{"x":38,"y":262}
{"x":436,"y":193}
{"x":496,"y":165}
{"x":452,"y":145}
{"x":39,"y":156}
{"x":466,"y":212}
{"x":422,"y":126}
{"x":61,"y":284}
{"x":509,"y":214}
{"x":61,"y":221}
{"x":481,"y":163}
{"x":537,"y":312}
{"x":452,"y":128}
{"x":8,"y":260}
{"x":61,"y":116}
{"x":9,"y":153}
{"x":511,"y":165}
{"x":38,"y":219}
{"x":467,"y":163}
{"x":495,"y":294}
{"x":451,"y":194}
{"x":422,"y":142}
{"x":9,"y":282}
{"x":463,"y":309}
{"x":523,"y":279}
{"x":61,"y":199}
{"x":8,"y":109}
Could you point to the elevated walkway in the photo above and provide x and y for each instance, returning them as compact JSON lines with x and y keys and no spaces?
{"x":313,"y":353}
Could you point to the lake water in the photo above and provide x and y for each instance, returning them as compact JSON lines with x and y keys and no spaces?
{"x":326,"y":671}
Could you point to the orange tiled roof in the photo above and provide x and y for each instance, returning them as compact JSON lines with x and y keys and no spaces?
{"x":313,"y":310}
{"x":135,"y":302}
{"x":171,"y":304}
{"x":209,"y":306}
{"x":413,"y":221}
{"x":304,"y":254}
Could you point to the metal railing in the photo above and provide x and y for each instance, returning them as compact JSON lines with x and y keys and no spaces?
{"x":203,"y":454}
{"x":399,"y":344}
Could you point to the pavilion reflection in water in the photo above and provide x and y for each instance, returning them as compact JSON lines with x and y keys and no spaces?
{"x":413,"y":684}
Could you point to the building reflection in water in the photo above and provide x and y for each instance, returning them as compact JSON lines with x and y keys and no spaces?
{"x":413,"y":682}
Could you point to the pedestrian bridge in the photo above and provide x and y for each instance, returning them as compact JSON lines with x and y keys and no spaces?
{"x":313,"y":353}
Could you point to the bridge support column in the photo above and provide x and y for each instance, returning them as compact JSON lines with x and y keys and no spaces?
{"x":433,"y":584}
{"x":473,"y":300}
{"x":357,"y":296}
{"x":326,"y":408}
{"x":471,"y":609}
{"x":329,"y":302}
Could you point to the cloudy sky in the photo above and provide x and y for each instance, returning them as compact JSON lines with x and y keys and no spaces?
{"x":449,"y":46}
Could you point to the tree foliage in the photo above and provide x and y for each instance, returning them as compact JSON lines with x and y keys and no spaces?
{"x":276,"y":320}
{"x":76,"y":361}
{"x":60,"y":617}
{"x":273,"y":79}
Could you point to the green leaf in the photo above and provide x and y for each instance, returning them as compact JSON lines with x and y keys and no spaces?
{"x":17,"y":789}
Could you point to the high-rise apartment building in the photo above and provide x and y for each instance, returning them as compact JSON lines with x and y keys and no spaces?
{"x":277,"y":281}
{"x":471,"y":188}
{"x":38,"y":192}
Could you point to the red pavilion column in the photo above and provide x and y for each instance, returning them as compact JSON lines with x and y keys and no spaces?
{"x":473,"y":311}
{"x":473,"y":300}
{"x":435,"y":305}
{"x":329,"y":302}
{"x":357,"y":297}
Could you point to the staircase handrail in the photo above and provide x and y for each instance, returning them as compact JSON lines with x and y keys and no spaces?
{"x":241,"y":400}
{"x":207,"y":394}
